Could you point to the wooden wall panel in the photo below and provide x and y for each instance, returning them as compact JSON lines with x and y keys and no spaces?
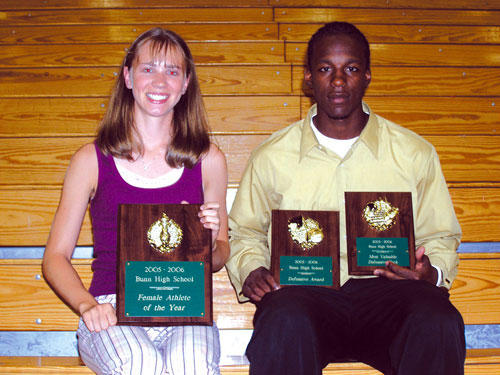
{"x":383,"y":16}
{"x":416,"y":54}
{"x":127,"y":33}
{"x":27,"y":216}
{"x":407,"y":34}
{"x":39,"y":303}
{"x":251,"y":114}
{"x":436,"y":4}
{"x":468,"y":158}
{"x":461,"y":4}
{"x":98,"y":55}
{"x":50,"y":117}
{"x":134,"y":16}
{"x":36,"y":161}
{"x":85,"y":4}
{"x":476,"y":291}
{"x":478,"y":211}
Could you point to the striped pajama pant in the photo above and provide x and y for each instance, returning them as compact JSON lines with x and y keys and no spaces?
{"x":134,"y":350}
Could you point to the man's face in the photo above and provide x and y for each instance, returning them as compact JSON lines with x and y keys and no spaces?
{"x":338,"y":75}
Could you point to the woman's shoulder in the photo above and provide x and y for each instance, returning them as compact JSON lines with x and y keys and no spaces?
{"x":214,"y":162}
{"x":86,"y":153}
{"x":214,"y":154}
{"x":83,"y":170}
{"x":85,"y":159}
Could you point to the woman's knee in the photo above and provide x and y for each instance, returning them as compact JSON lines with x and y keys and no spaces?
{"x":193,"y":350}
{"x":121,"y":350}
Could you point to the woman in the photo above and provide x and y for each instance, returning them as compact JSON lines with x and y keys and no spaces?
{"x":152,"y":147}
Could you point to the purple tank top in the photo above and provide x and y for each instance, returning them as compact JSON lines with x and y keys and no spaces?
{"x":113,"y":190}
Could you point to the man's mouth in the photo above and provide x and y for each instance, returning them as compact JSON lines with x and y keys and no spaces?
{"x":338,"y":97}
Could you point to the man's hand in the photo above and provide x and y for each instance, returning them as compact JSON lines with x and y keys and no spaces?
{"x":423,"y":269}
{"x":258,"y":283}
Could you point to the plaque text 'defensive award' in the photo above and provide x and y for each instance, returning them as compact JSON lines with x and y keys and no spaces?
{"x":379,"y":228}
{"x":164,"y":266}
{"x":305,"y":248}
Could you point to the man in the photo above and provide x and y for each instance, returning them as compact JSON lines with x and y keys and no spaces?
{"x":398,"y":321}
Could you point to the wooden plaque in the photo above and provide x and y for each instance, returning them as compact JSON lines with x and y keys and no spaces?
{"x":379,"y":228}
{"x":305,"y":248}
{"x":164,"y":274}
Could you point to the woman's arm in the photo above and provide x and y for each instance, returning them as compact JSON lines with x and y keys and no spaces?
{"x":213,"y":212}
{"x":79,"y":186}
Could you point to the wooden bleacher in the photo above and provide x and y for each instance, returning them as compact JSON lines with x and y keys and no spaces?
{"x":435,"y":70}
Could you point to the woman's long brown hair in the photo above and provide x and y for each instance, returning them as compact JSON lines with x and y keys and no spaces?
{"x":117,"y":134}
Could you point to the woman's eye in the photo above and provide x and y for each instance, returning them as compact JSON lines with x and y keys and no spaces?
{"x":148,"y":70}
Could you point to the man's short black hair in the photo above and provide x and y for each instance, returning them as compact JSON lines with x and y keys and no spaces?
{"x":339,"y":28}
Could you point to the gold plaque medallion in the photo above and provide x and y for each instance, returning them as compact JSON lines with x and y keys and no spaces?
{"x":164,"y":235}
{"x":305,"y":232}
{"x":380,"y":214}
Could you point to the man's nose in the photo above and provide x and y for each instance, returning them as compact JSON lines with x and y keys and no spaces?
{"x":338,"y":78}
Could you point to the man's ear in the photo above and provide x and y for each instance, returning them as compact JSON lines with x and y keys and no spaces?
{"x":368,"y":77}
{"x":308,"y":77}
{"x":127,"y":74}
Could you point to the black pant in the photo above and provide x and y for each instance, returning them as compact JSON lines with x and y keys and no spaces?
{"x":398,"y":327}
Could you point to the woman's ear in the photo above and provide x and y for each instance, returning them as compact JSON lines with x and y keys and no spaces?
{"x":129,"y":80}
{"x":186,"y":84}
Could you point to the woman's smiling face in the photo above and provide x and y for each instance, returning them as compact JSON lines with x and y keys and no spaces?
{"x":157,"y":80}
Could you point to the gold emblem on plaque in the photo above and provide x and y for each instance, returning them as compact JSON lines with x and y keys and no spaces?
{"x":380,"y":214}
{"x":164,"y":235}
{"x":305,"y":232}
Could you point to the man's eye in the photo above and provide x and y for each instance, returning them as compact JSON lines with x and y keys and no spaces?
{"x":324,"y":69}
{"x":352,"y":69}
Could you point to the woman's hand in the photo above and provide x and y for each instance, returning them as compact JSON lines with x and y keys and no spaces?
{"x":209,"y":217}
{"x":98,"y":317}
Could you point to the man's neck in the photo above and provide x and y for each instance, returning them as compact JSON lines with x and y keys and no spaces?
{"x":347,"y":128}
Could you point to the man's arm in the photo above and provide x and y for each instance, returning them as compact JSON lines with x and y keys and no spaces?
{"x":437,"y":231}
{"x":249,"y":221}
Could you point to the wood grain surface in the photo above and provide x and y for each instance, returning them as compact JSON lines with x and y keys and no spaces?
{"x":92,"y":34}
{"x":396,"y":16}
{"x":134,"y":16}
